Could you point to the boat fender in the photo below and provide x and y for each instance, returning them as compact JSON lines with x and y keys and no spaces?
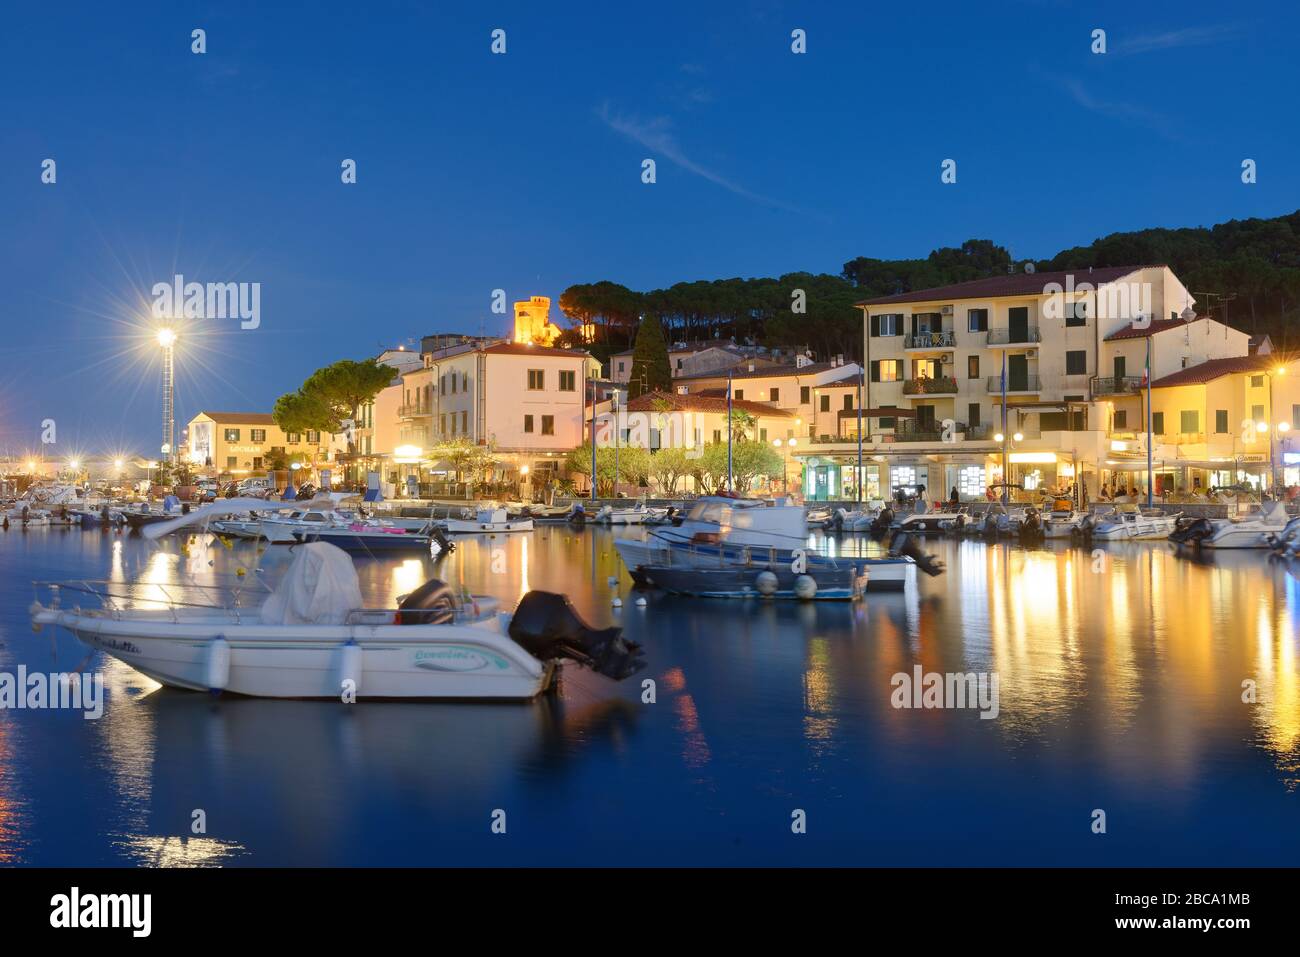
{"x":349,"y":668}
{"x":805,"y":588}
{"x":217,"y":666}
{"x":766,"y":582}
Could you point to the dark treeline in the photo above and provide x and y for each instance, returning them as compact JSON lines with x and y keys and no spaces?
{"x":1246,"y":272}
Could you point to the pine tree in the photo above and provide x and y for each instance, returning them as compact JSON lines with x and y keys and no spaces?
{"x":651,"y":370}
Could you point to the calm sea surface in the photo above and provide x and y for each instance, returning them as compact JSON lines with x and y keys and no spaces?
{"x":1121,"y":683}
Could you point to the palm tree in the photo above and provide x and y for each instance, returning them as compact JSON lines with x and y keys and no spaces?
{"x":741,"y":422}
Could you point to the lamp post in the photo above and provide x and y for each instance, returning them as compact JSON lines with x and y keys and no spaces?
{"x":1279,"y":428}
{"x":1006,"y":474}
{"x":167,"y":340}
{"x":785,"y":462}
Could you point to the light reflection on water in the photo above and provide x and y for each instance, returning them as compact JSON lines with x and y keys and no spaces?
{"x":1121,"y":683}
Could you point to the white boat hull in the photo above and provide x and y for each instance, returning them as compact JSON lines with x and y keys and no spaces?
{"x":1240,"y":538}
{"x":1134,"y":531}
{"x":466,"y":526}
{"x":459,"y":661}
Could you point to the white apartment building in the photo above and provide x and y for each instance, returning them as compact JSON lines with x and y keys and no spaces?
{"x":1045,"y":359}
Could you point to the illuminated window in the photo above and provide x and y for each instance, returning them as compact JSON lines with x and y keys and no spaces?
{"x":970,"y":481}
{"x":232,"y":435}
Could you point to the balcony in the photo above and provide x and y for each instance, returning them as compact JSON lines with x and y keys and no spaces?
{"x":940,"y":386}
{"x":1023,"y":336}
{"x":1115,"y":385}
{"x":1015,"y":384}
{"x":930,"y":340}
{"x":413,"y":410}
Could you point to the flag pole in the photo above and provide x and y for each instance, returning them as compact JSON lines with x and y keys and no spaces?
{"x":731,"y":484}
{"x":1006,"y":477}
{"x":858,"y":483}
{"x":1150,"y":477}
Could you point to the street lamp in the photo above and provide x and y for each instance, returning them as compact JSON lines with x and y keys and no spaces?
{"x":1001,"y":439}
{"x":167,"y":340}
{"x":1278,"y":431}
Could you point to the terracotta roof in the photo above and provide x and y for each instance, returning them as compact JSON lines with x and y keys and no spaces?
{"x":1156,"y":326}
{"x":703,"y":403}
{"x":761,"y":372}
{"x":1018,"y":284}
{"x":1213,"y":369}
{"x":241,"y":418}
{"x":523,"y":349}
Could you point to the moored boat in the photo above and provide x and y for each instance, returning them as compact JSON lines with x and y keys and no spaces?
{"x":488,"y":520}
{"x":311,"y":636}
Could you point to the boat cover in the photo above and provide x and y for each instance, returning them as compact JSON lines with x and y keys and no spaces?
{"x":320,"y":588}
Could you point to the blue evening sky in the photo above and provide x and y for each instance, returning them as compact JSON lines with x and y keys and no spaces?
{"x":522,"y":172}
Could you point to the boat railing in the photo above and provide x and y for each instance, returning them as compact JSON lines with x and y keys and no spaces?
{"x":118,"y":597}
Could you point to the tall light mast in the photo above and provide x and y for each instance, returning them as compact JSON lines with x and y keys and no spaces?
{"x":167,"y":339}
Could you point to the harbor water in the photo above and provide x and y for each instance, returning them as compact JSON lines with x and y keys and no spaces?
{"x":1158,"y":688}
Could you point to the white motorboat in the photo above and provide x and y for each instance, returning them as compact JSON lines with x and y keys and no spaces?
{"x":857,"y":520}
{"x":746,"y":533}
{"x":1062,"y":523}
{"x":45,"y":503}
{"x":1129,"y":524}
{"x":999,"y":520}
{"x":486,"y":521}
{"x":934,"y":521}
{"x":312,"y":638}
{"x":1256,"y":530}
{"x":818,"y":517}
{"x":635,"y":515}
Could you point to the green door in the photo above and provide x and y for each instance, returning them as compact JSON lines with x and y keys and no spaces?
{"x":1018,"y":373}
{"x":1018,"y":324}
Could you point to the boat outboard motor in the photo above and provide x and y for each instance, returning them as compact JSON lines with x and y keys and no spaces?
{"x":546,"y":626}
{"x":578,"y":514}
{"x":883,"y":522}
{"x":433,"y":603}
{"x":444,"y":543}
{"x":1196,"y":531}
{"x":904,"y":544}
{"x":1031,"y":529}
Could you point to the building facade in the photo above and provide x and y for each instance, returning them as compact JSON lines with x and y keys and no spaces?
{"x":1023,"y":380}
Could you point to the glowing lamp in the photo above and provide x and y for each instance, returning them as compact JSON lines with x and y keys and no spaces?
{"x":166,"y":338}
